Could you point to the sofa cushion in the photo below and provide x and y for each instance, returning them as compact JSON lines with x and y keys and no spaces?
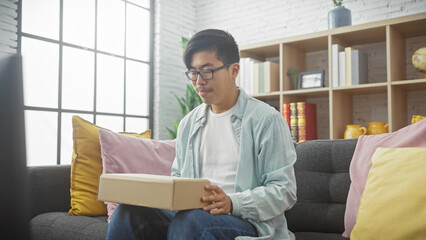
{"x":61,"y":225}
{"x":410,"y":136}
{"x":86,"y":167}
{"x":322,"y":173}
{"x":393,"y":202}
{"x":128,"y":154}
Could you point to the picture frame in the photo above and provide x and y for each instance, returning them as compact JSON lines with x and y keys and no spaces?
{"x":311,"y":79}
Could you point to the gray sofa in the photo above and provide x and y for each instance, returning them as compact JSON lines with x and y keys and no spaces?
{"x":322,"y":181}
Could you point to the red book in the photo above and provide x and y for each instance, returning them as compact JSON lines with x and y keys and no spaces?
{"x":286,"y":113}
{"x":293,"y":122}
{"x":307,"y":121}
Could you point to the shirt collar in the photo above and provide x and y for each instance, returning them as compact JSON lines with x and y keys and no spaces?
{"x":238,"y":111}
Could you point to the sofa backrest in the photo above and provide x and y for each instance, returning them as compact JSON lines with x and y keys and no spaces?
{"x":322,"y":176}
{"x":49,"y":189}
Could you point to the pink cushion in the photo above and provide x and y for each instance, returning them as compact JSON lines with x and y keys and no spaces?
{"x":411,"y":136}
{"x":127,"y":154}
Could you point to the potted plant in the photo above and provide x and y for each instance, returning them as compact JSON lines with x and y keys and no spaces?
{"x":186,"y":104}
{"x":339,"y":16}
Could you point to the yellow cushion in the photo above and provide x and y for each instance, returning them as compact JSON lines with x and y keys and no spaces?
{"x":393,"y":204}
{"x":86,"y":167}
{"x":416,"y":118}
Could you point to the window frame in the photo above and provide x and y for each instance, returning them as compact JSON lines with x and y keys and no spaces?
{"x":61,"y":44}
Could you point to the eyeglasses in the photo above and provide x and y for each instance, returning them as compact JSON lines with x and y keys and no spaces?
{"x":205,"y":74}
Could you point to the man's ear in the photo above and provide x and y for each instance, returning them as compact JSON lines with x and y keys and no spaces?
{"x":235,"y":68}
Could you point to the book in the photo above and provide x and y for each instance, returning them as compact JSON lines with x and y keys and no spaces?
{"x":261,"y":78}
{"x":256,"y":78}
{"x":250,"y":75}
{"x":356,"y":67}
{"x":240,"y":78}
{"x":271,"y":76}
{"x":247,"y":75}
{"x":306,"y":121}
{"x":294,"y":131}
{"x":342,"y":69}
{"x":335,"y":49}
{"x":348,"y":66}
{"x":359,"y":67}
{"x":286,"y":113}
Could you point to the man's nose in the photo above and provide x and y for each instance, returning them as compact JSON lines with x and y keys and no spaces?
{"x":200,"y":80}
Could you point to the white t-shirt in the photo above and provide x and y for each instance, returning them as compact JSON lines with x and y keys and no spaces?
{"x":219,"y":150}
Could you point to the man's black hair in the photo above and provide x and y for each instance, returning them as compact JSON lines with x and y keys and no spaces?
{"x":212,"y":40}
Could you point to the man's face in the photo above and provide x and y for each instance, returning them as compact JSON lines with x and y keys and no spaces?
{"x":217,"y":91}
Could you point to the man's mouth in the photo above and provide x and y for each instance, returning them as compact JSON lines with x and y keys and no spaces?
{"x":203,"y":91}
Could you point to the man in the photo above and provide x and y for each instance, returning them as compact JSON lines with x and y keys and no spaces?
{"x":240,"y":144}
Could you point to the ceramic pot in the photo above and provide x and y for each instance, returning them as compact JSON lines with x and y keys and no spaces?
{"x":354,"y":131}
{"x":377,"y":128}
{"x":339,"y":17}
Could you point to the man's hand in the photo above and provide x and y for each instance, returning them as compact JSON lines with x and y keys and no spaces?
{"x":221,"y":203}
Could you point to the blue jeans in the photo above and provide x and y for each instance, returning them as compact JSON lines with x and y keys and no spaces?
{"x":133,"y":222}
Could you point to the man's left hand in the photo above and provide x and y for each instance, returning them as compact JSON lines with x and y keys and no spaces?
{"x":221,"y":202}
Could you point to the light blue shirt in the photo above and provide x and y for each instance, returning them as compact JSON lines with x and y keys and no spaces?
{"x":265,"y":184}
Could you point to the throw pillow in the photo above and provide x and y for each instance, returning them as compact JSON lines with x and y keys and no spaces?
{"x":86,"y":166}
{"x":128,"y":154}
{"x":416,"y":118}
{"x":410,"y":136}
{"x":393,"y":203}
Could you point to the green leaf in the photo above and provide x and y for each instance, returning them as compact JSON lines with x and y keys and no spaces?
{"x":186,"y":104}
{"x":337,"y":2}
{"x":172,"y":134}
{"x":181,"y":105}
{"x":184,"y":41}
{"x":176,"y":125}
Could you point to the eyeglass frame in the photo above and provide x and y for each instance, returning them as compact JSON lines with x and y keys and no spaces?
{"x":205,"y":70}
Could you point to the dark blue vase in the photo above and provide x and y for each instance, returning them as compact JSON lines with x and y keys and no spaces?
{"x":339,"y":17}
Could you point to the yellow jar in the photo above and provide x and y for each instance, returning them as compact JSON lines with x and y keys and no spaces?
{"x":354,"y":131}
{"x":375,"y":128}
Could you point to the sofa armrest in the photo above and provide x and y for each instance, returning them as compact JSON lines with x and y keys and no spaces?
{"x":49,"y":189}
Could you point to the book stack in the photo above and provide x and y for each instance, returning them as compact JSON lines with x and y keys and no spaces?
{"x":245,"y":77}
{"x":258,"y":77}
{"x":349,"y":66}
{"x":303,"y":120}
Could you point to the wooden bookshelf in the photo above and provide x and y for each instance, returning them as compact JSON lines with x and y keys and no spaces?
{"x":390,"y":36}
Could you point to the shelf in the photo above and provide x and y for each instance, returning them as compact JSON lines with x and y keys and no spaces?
{"x":368,"y":88}
{"x":261,"y":52}
{"x":267,"y":96}
{"x":417,"y":84}
{"x":411,"y":29}
{"x":310,"y":44}
{"x":363,"y":36}
{"x":312,"y":92}
{"x":394,"y":92}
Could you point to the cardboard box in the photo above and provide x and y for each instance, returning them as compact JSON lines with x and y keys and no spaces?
{"x":154,"y":191}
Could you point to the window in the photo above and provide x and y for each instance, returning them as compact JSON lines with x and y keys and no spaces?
{"x":91,"y":58}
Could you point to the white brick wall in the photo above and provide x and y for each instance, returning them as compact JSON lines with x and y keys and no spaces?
{"x":173,"y":19}
{"x":251,"y":21}
{"x":8,"y":27}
